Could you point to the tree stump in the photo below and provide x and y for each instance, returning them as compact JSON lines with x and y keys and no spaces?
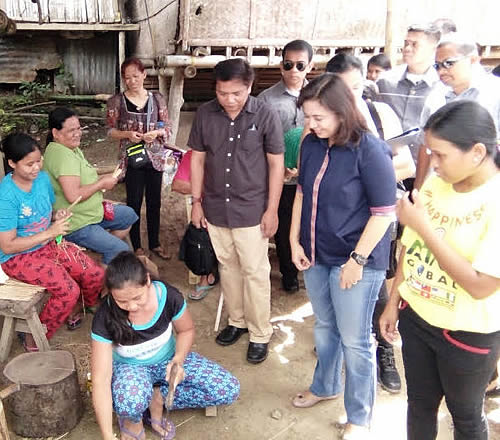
{"x":49,"y":402}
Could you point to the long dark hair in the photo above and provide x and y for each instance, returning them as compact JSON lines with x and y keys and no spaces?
{"x":57,"y":117}
{"x":465,"y":123}
{"x":123,"y":269}
{"x":331,"y":92}
{"x":16,"y":146}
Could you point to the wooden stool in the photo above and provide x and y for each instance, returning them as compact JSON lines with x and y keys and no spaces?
{"x":19,"y":305}
{"x":49,"y":402}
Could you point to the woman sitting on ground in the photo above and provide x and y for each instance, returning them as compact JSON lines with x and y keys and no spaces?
{"x":133,"y":348}
{"x":182,"y":185}
{"x":73,"y":177}
{"x":448,"y":277}
{"x":28,"y":229}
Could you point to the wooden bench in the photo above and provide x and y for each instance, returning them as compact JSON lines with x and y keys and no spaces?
{"x":20,"y":304}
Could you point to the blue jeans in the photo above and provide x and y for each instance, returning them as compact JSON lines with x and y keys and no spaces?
{"x":343,"y":331}
{"x":97,"y":238}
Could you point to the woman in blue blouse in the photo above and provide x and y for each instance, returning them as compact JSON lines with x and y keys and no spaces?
{"x":343,"y":207}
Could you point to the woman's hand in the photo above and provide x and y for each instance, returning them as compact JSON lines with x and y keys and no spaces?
{"x":412,"y":214}
{"x":387,"y":322}
{"x":59,"y":227}
{"x":61,"y":213}
{"x":350,"y":274}
{"x":150,"y":136}
{"x":135,"y":136}
{"x":299,"y":256}
{"x":108,"y":181}
{"x":179,"y":377}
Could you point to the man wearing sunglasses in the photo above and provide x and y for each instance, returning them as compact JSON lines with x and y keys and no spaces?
{"x":462,"y":77}
{"x":282,"y":96}
{"x":406,"y":87}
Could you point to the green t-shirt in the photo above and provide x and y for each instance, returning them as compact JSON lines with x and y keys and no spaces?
{"x":59,"y":160}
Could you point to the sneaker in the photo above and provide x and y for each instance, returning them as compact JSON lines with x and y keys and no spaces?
{"x":387,"y":374}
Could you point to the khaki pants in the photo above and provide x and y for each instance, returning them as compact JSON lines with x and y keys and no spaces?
{"x":244,"y":275}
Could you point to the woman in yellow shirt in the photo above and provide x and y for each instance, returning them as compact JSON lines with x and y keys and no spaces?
{"x":447,"y":288}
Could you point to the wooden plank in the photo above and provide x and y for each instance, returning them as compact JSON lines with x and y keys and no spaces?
{"x":99,"y":27}
{"x":4,"y":429}
{"x":92,"y":11}
{"x":6,"y":338}
{"x":38,"y":332}
{"x":211,"y":411}
{"x":108,"y":11}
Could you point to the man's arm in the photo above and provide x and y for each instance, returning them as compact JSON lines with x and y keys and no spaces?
{"x":269,"y":222}
{"x":197,"y":176}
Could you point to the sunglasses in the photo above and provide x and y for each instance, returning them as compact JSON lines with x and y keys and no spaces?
{"x":447,"y":64}
{"x":300,"y":65}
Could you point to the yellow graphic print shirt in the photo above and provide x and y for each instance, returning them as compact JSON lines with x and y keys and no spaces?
{"x":470,"y":224}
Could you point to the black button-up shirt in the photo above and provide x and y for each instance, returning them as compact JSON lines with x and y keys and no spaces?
{"x":235,"y":186}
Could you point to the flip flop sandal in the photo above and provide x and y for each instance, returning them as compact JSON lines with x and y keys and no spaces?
{"x":308,"y":399}
{"x":200,"y":292}
{"x":167,"y":425}
{"x":160,"y":252}
{"x":74,"y":322}
{"x":130,"y":433}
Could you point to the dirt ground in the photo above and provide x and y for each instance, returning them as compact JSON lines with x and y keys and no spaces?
{"x":266,"y":388}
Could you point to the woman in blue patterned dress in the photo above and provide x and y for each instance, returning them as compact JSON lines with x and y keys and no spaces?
{"x":134,"y":349}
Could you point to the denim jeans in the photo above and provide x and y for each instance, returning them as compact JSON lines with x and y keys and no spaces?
{"x":457,"y":365}
{"x":97,"y":238}
{"x":343,"y":331}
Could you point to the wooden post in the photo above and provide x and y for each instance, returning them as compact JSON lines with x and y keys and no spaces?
{"x":121,"y":55}
{"x":162,"y":85}
{"x":175,"y":100}
{"x":390,"y":25}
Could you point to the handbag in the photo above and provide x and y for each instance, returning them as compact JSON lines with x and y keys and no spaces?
{"x":197,"y":252}
{"x":137,"y":156}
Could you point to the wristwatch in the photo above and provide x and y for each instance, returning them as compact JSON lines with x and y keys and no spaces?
{"x":358,"y":258}
{"x":195,"y":200}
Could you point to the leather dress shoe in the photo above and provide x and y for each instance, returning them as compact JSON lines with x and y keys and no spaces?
{"x":257,"y":352}
{"x":290,"y":285}
{"x":230,"y":335}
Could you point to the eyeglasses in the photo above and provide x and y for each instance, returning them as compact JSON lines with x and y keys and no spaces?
{"x":300,"y":65}
{"x":447,"y":64}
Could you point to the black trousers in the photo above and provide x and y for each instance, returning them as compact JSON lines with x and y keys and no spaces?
{"x":137,"y":182}
{"x":282,"y":236}
{"x":457,"y":365}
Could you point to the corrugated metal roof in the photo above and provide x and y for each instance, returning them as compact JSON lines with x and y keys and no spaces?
{"x":21,"y":56}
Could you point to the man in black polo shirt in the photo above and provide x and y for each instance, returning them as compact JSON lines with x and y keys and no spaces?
{"x":236,"y":176}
